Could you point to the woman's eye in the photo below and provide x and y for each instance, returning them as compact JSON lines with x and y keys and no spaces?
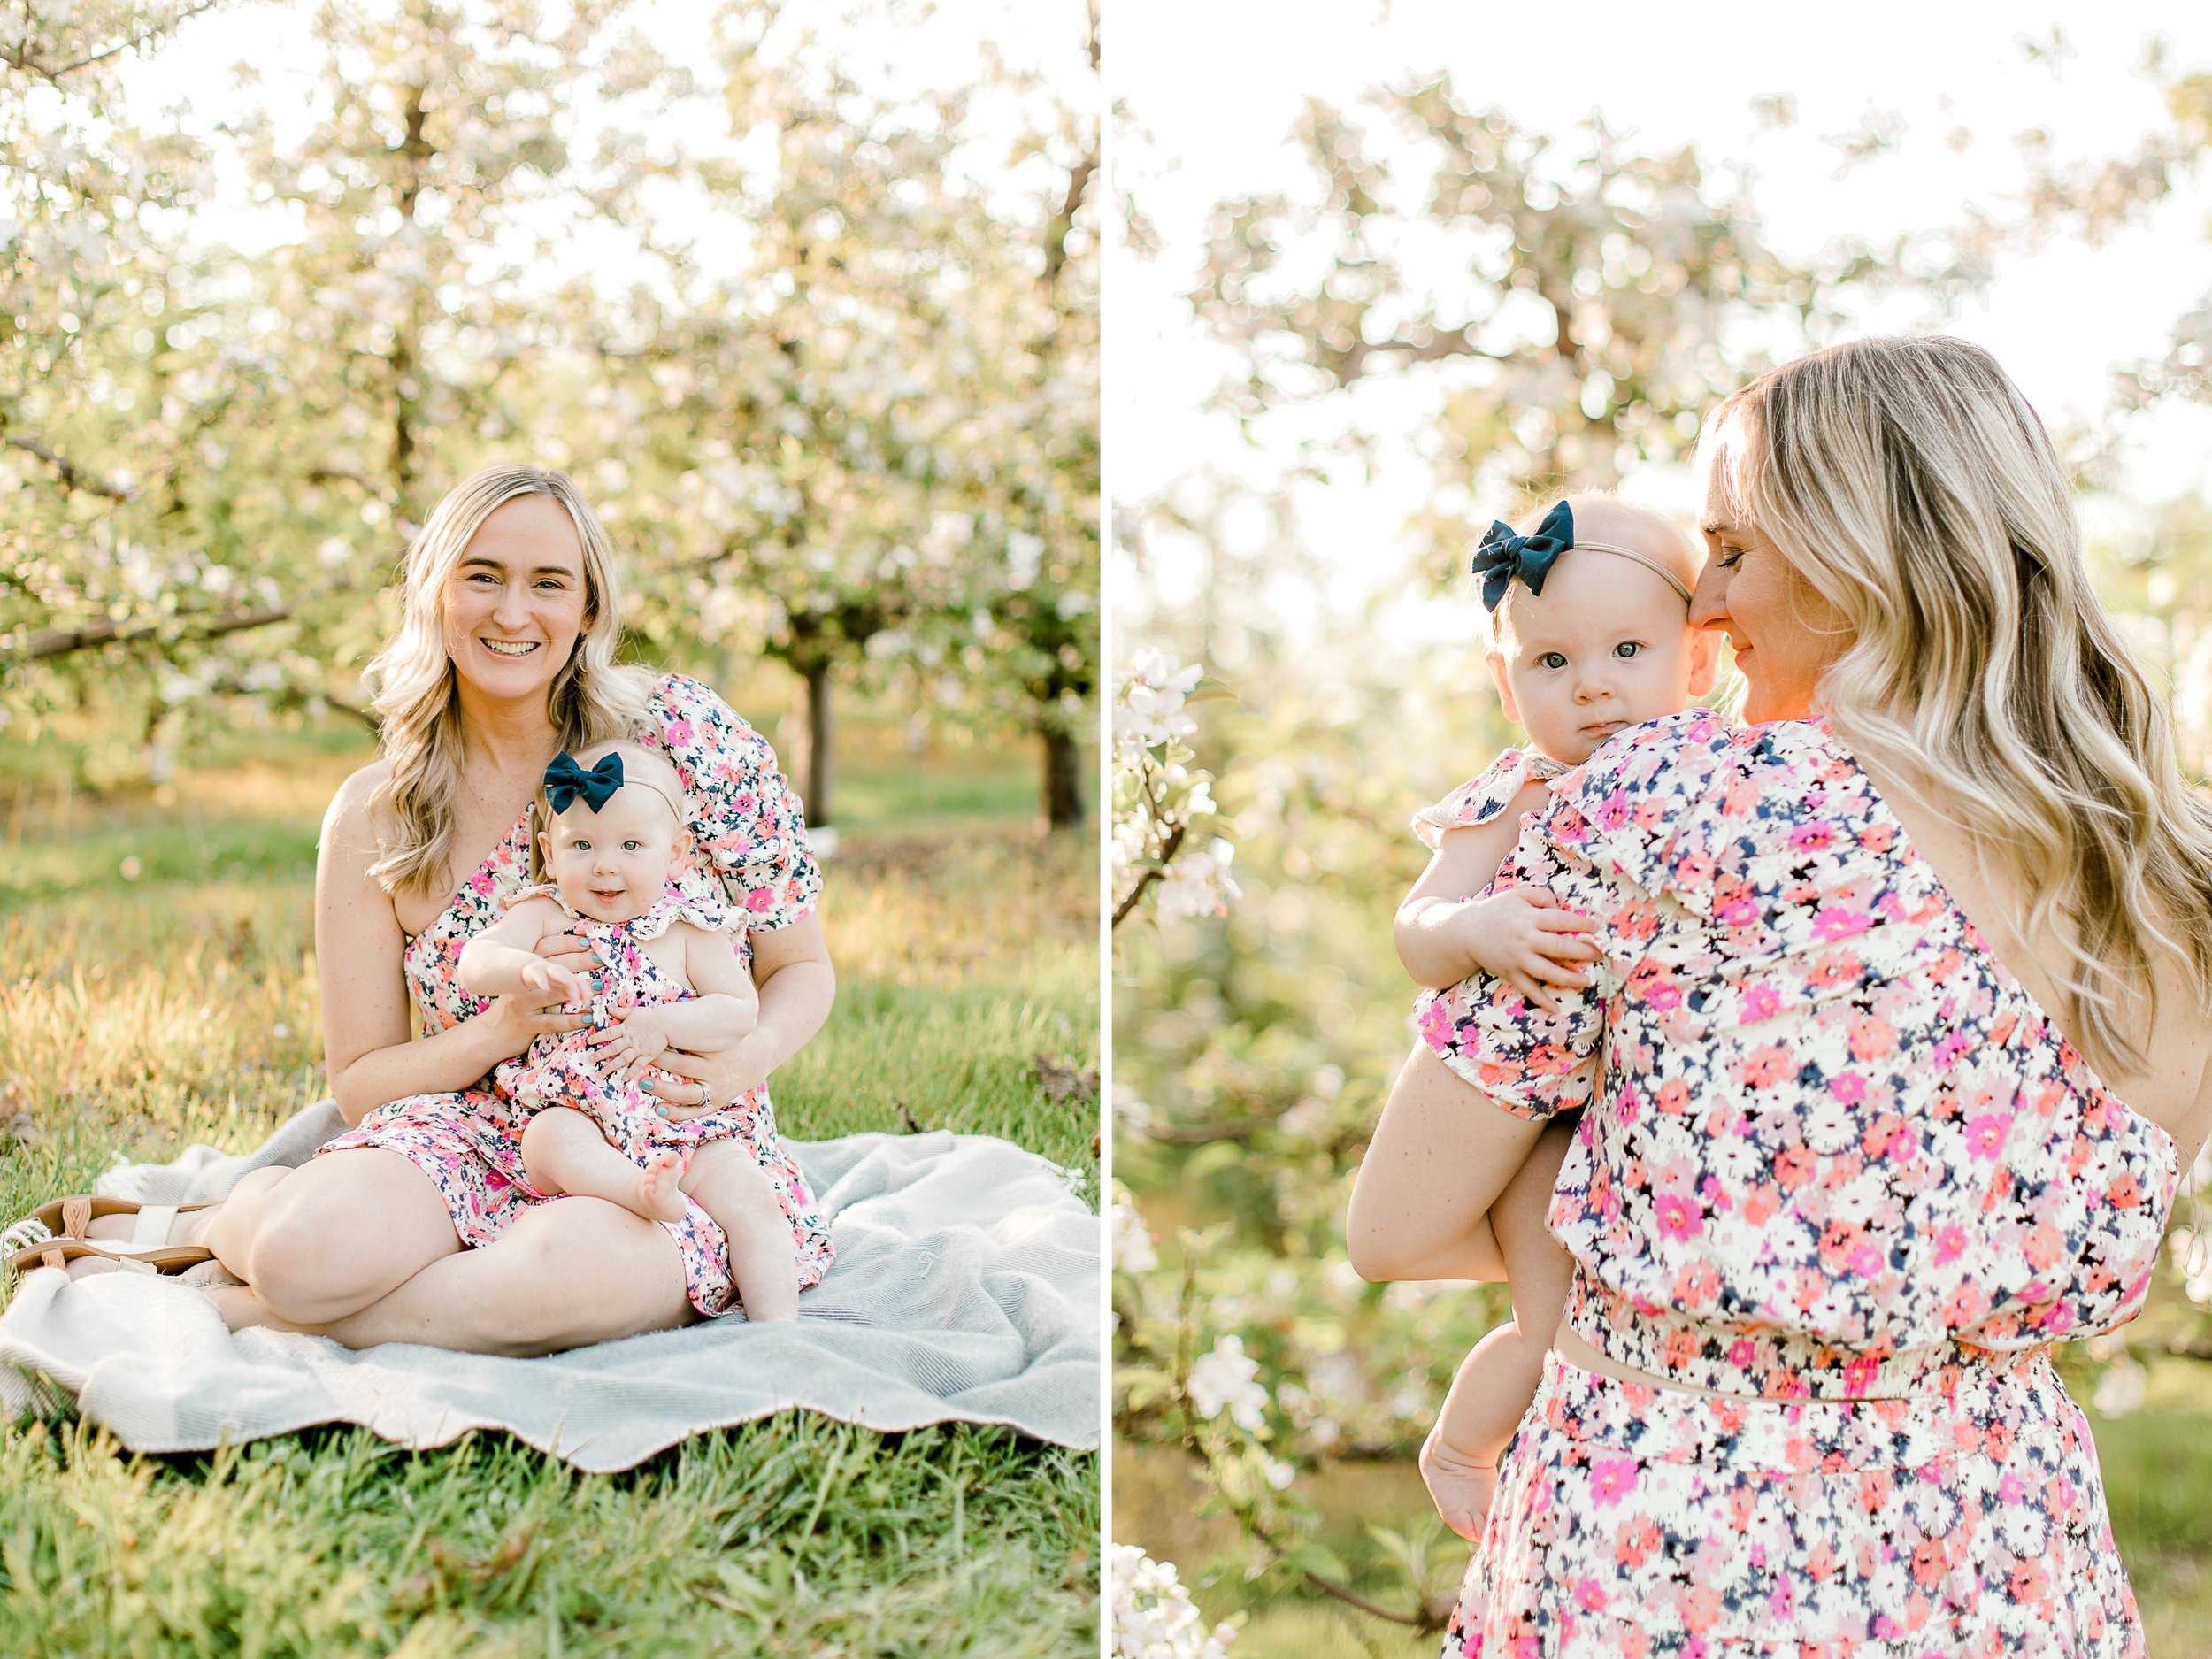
{"x":1626,"y":648}
{"x":1730,"y":557}
{"x":1552,"y":660}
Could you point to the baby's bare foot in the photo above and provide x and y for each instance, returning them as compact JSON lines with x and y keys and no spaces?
{"x":658,"y":1196}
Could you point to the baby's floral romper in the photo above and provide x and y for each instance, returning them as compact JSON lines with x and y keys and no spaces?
{"x":564,"y":1069}
{"x":1838,"y":1167}
{"x":753,"y":858}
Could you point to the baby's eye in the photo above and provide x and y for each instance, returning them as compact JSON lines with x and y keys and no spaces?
{"x":631,"y":846}
{"x":579,"y":846}
{"x":1626,"y":648}
{"x":1552,"y":660}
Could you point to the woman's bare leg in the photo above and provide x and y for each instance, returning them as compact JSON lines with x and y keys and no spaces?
{"x":332,"y":1236}
{"x":573,"y":1271}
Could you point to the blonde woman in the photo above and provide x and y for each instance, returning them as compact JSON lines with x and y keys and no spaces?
{"x":1897,"y":1046}
{"x":418,"y":1224}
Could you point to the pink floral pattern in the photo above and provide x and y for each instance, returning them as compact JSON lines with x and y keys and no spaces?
{"x":748,"y":828}
{"x":1835,"y":1151}
{"x":1482,"y":800}
{"x":1632,"y":1522}
{"x":562,"y":1070}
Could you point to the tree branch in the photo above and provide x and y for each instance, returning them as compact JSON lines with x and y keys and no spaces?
{"x":49,"y":643}
{"x":72,"y":476}
{"x":16,"y":58}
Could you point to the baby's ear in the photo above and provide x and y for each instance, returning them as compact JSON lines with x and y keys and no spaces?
{"x":1496,"y":661}
{"x":1704,"y":660}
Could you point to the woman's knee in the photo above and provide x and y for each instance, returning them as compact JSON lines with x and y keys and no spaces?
{"x":334,"y":1238}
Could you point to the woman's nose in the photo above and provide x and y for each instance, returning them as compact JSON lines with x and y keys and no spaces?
{"x":513,"y":609}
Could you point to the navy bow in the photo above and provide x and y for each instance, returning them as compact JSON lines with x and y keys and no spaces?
{"x":565,"y":780}
{"x":1503,"y":555}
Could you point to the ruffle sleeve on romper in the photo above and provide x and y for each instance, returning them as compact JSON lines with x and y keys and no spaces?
{"x":1482,"y":800}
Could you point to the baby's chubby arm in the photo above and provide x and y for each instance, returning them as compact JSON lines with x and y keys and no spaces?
{"x":1521,"y":934}
{"x":724,"y":1010}
{"x":503,"y":960}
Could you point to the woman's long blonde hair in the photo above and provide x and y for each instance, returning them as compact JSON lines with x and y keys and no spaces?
{"x":411,"y":681}
{"x":1909,"y":484}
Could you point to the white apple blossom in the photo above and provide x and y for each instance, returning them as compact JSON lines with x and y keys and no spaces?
{"x":1132,"y":1241}
{"x":1227,"y":1379}
{"x":1151,"y":1615}
{"x":1198,"y":883}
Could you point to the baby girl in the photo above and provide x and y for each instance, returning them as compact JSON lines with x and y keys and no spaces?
{"x":1590,"y":635}
{"x":668,"y":976}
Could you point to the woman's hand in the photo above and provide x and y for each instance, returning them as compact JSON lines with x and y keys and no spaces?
{"x":521,"y":1020}
{"x":516,"y":1024}
{"x":1461,"y":1486}
{"x":721,"y":1076}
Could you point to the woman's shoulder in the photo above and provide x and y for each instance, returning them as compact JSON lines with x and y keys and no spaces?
{"x":692,"y":722}
{"x":1699,"y":753}
{"x":1665,"y":795}
{"x":355,"y":810}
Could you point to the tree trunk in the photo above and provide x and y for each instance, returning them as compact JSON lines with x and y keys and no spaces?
{"x":811,"y":766}
{"x":1062,"y":798}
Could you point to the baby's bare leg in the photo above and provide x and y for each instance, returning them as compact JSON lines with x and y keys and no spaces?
{"x":1497,"y":1380}
{"x":563,"y":1151}
{"x":726,"y":1183}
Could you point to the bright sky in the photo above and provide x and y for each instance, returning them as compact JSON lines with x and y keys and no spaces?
{"x":1213,"y":92}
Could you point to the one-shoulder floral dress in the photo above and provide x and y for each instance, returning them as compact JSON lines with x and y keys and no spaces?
{"x":1838,"y":1166}
{"x":753,"y":859}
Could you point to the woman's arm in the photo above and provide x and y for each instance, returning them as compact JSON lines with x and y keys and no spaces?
{"x":791,"y":966}
{"x":360,"y":973}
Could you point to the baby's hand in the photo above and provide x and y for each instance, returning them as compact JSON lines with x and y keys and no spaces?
{"x":634,"y":1039}
{"x":1526,"y":939}
{"x":551,"y":981}
{"x":1461,"y":1486}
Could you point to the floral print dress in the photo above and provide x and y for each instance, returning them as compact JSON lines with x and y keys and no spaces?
{"x":1834,"y":1151}
{"x":753,"y":859}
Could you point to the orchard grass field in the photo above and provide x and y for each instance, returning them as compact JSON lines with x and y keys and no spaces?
{"x":160,"y":989}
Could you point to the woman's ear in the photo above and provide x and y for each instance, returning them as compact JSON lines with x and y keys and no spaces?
{"x":1496,"y":661}
{"x":1704,"y":660}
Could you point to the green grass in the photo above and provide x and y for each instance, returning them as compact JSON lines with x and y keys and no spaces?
{"x":138,"y":1015}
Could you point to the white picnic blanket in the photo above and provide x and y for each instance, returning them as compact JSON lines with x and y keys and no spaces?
{"x":966,"y":1288}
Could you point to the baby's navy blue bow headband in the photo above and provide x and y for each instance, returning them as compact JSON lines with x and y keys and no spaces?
{"x":565,"y":780}
{"x":1503,"y":555}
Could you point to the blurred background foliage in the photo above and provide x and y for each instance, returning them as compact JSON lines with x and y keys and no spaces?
{"x":821,"y":347}
{"x":1569,"y":320}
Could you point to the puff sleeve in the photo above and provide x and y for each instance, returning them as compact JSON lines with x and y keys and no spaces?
{"x":748,"y":823}
{"x":1481,"y":800}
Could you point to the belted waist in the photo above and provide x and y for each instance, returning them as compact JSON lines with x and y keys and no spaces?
{"x":1772,"y":1364}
